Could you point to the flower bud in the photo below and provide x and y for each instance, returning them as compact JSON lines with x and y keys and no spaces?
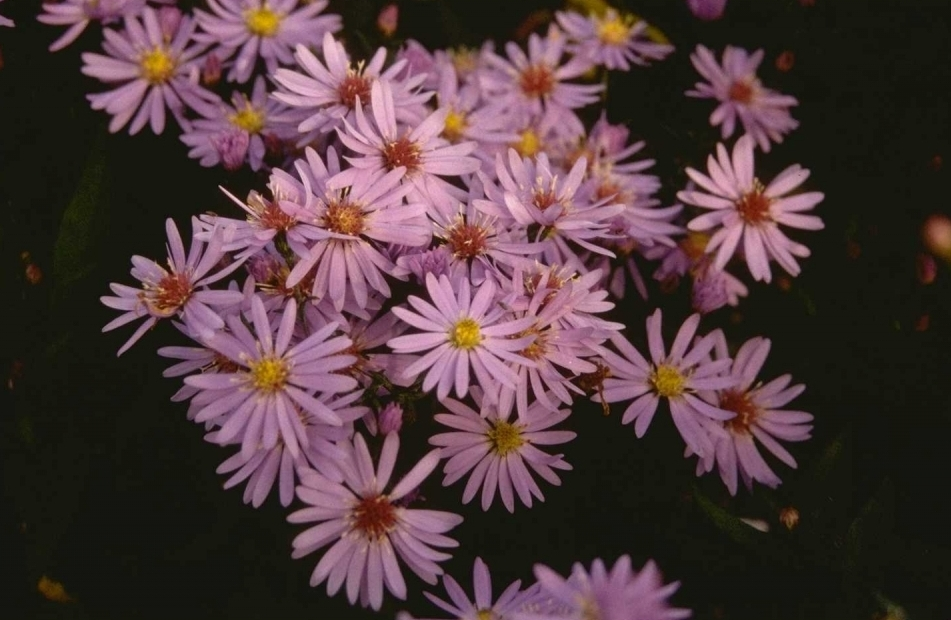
{"x":936,"y":235}
{"x":388,"y":19}
{"x":707,"y":10}
{"x":391,"y":419}
{"x":789,"y":517}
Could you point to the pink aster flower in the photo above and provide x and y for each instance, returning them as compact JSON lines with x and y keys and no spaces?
{"x":495,"y":452}
{"x":612,"y":40}
{"x":367,"y":529}
{"x":78,"y":13}
{"x":676,"y":376}
{"x":620,"y":593}
{"x":177,"y":291}
{"x":759,"y":419}
{"x":461,"y":332}
{"x":266,"y":29}
{"x":236,"y":134}
{"x":461,"y":607}
{"x":153,"y":70}
{"x":328,"y":90}
{"x":742,"y":208}
{"x":764,"y":113}
{"x":258,"y":403}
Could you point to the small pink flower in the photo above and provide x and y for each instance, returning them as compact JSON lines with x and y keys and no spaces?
{"x":388,"y":20}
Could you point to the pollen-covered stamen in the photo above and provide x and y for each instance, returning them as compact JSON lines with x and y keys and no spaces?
{"x":544,"y":198}
{"x":262,"y":21}
{"x":248,"y":118}
{"x":746,"y":412}
{"x":373,"y":517}
{"x":222,"y":364}
{"x":269,"y":374}
{"x":536,"y":81}
{"x":486,"y":614}
{"x":353,"y":86}
{"x":456,"y":124}
{"x":537,"y":348}
{"x":528,"y":143}
{"x":614,"y":31}
{"x":266,"y":214}
{"x":344,"y":218}
{"x":505,"y":437}
{"x":753,"y":206}
{"x":465,"y":334}
{"x":667,"y":381}
{"x":157,"y":65}
{"x":171,"y":293}
{"x":401,"y":152}
{"x":741,"y":92}
{"x":590,"y":610}
{"x":466,"y":240}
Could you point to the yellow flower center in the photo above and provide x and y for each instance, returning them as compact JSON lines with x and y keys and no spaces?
{"x":262,"y":21}
{"x":485,"y":614}
{"x":668,"y":381}
{"x":455,"y":124}
{"x":157,"y":66}
{"x":614,"y":30}
{"x":344,"y":218}
{"x":528,"y":143}
{"x":269,"y":374}
{"x":465,"y":334}
{"x":694,"y":244}
{"x":248,"y":118}
{"x":505,"y":437}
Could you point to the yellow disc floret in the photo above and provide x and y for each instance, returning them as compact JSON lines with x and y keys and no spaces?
{"x":157,"y":65}
{"x":248,"y":118}
{"x":668,"y":381}
{"x":262,"y":21}
{"x":269,"y":374}
{"x":528,"y":143}
{"x":614,"y":30}
{"x":465,"y":334}
{"x":505,"y":437}
{"x":455,"y":124}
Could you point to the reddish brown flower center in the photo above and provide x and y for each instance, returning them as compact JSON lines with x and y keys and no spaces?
{"x":467,"y":240}
{"x":172,"y":292}
{"x":544,"y":198}
{"x":401,"y":152}
{"x":753,"y":206}
{"x":344,"y":218}
{"x":741,"y":92}
{"x":353,"y":86}
{"x":273,"y":217}
{"x":374,"y":517}
{"x":536,"y":81}
{"x":746,"y":411}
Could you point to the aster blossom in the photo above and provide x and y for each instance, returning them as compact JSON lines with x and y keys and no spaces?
{"x":367,"y":529}
{"x":153,"y":68}
{"x":613,"y":40}
{"x":500,"y":455}
{"x":480,"y":607}
{"x":760,"y":419}
{"x":78,"y":13}
{"x":461,"y":333}
{"x":764,"y":113}
{"x":266,"y":29}
{"x":675,"y":376}
{"x":618,"y":593}
{"x":744,"y":209}
{"x":272,"y":380}
{"x":177,"y":291}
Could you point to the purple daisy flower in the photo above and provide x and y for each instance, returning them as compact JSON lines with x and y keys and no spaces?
{"x":379,"y":145}
{"x":328,"y":91}
{"x":742,"y":208}
{"x":764,"y":113}
{"x":612,"y":40}
{"x":153,"y":68}
{"x":368,"y":528}
{"x":512,"y":599}
{"x":236,"y":134}
{"x":759,"y":419}
{"x":496,"y":451}
{"x":620,"y":593}
{"x":268,"y":29}
{"x":675,"y":376}
{"x":177,"y":291}
{"x":460,"y":331}
{"x":78,"y":13}
{"x":258,"y":404}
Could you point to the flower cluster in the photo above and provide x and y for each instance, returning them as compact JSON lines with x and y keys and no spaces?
{"x":440,"y":232}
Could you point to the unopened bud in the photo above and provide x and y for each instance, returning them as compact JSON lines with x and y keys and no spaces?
{"x":34,"y":275}
{"x":232,"y":146}
{"x":169,"y":20}
{"x":211,"y":70}
{"x":388,"y":20}
{"x":391,"y":419}
{"x":785,"y":61}
{"x":925,"y":268}
{"x":707,"y":10}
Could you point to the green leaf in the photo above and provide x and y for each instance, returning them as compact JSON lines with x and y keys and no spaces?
{"x":82,"y":224}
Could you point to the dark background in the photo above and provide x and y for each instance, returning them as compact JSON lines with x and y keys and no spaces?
{"x":107,"y":489}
